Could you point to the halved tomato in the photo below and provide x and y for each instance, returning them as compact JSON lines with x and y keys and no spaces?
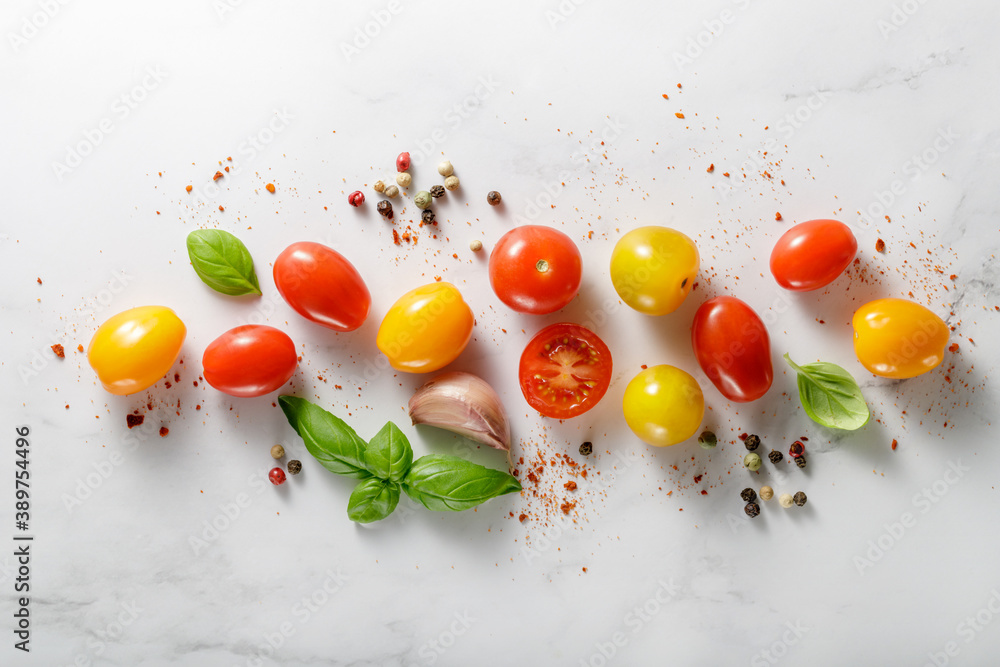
{"x":565,"y":370}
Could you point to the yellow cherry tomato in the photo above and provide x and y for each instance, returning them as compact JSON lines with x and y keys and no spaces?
{"x":653,"y":269}
{"x":134,"y":349}
{"x":663,"y":405}
{"x":896,"y":338}
{"x":426,"y":329}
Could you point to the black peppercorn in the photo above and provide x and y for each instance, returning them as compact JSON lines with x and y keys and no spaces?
{"x":775,"y":456}
{"x":294,"y":467}
{"x":385,"y":209}
{"x":799,"y":499}
{"x":493,"y":198}
{"x":796,"y":450}
{"x":586,"y":448}
{"x":801,"y":462}
{"x":752,"y":442}
{"x":752,"y":509}
{"x":748,"y":495}
{"x":437,"y":191}
{"x":427,"y":217}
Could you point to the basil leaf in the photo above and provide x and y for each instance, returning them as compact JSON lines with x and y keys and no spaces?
{"x":222,"y":262}
{"x":334,"y":444}
{"x":372,"y":500}
{"x":389,"y":455}
{"x":448,"y":483}
{"x":830,"y":396}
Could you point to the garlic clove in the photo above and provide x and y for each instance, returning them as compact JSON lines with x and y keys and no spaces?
{"x":462,"y":403}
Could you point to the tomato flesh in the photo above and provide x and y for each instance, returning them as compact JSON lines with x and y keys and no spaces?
{"x":322,"y":286}
{"x":565,"y":370}
{"x":733,"y":348}
{"x":812,"y":254}
{"x":250,"y":360}
{"x":535,"y":269}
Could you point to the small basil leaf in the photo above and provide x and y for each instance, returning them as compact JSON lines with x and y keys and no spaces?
{"x":222,"y":262}
{"x":448,"y":483}
{"x":372,"y":500}
{"x":389,"y":455}
{"x":334,"y":444}
{"x":830,"y":396}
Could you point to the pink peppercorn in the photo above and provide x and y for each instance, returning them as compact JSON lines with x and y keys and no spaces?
{"x":356,"y":198}
{"x":277,"y":476}
{"x":796,"y":450}
{"x":403,"y":161}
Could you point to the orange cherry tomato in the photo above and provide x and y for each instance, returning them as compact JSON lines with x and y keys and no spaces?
{"x":896,"y":338}
{"x":426,"y":329}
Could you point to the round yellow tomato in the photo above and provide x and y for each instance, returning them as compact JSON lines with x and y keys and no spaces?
{"x":663,"y":405}
{"x":426,"y":329}
{"x":896,"y":338}
{"x":653,"y":269}
{"x":134,"y":349}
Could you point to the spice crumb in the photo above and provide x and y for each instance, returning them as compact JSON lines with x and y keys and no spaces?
{"x":522,"y":518}
{"x":217,"y":176}
{"x":777,"y":216}
{"x":58,"y":350}
{"x":164,"y":431}
{"x":679,"y":114}
{"x":567,"y":507}
{"x":894,"y":444}
{"x":189,"y":188}
{"x":880,"y":246}
{"x":570,"y":486}
{"x":711,"y":168}
{"x":134,"y":420}
{"x":270,"y":188}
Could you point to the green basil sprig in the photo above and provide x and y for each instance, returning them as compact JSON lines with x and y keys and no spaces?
{"x":222,"y":262}
{"x":830,"y":396}
{"x":385,"y":466}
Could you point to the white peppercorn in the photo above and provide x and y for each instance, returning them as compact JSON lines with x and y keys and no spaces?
{"x":445,"y":168}
{"x":476,"y":245}
{"x":379,"y":186}
{"x":451,"y":183}
{"x":392,"y":192}
{"x":404,"y":179}
{"x":785,"y":500}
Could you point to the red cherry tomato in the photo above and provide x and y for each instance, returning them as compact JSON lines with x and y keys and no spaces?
{"x":535,"y":269}
{"x":733,"y":348}
{"x":251,"y":360}
{"x":322,"y":286}
{"x":565,"y":370}
{"x":812,"y":254}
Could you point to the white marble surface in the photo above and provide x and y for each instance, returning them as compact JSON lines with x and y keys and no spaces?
{"x":843,"y":97}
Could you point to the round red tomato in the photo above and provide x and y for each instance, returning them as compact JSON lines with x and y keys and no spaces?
{"x":812,"y":254}
{"x":565,"y":370}
{"x":322,"y":286}
{"x":733,"y":348}
{"x":251,"y":360}
{"x":535,"y":269}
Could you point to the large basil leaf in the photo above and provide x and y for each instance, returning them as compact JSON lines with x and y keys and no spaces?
{"x":448,"y":483}
{"x":222,"y":262}
{"x":334,"y":444}
{"x":389,"y":455}
{"x":830,"y":396}
{"x":372,"y":500}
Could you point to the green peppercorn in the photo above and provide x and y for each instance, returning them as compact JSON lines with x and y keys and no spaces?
{"x":752,"y":509}
{"x":586,"y":448}
{"x":752,"y":443}
{"x":799,"y":499}
{"x":752,"y":462}
{"x":427,"y":217}
{"x":801,"y":462}
{"x":493,"y":198}
{"x":775,"y":456}
{"x":422,"y":200}
{"x":707,"y":440}
{"x":277,"y":451}
{"x":294,"y":467}
{"x":748,"y":495}
{"x":437,"y":191}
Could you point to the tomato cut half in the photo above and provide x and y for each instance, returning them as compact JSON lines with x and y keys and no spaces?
{"x":565,"y":370}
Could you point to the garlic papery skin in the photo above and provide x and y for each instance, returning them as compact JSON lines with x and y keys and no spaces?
{"x":462,"y":403}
